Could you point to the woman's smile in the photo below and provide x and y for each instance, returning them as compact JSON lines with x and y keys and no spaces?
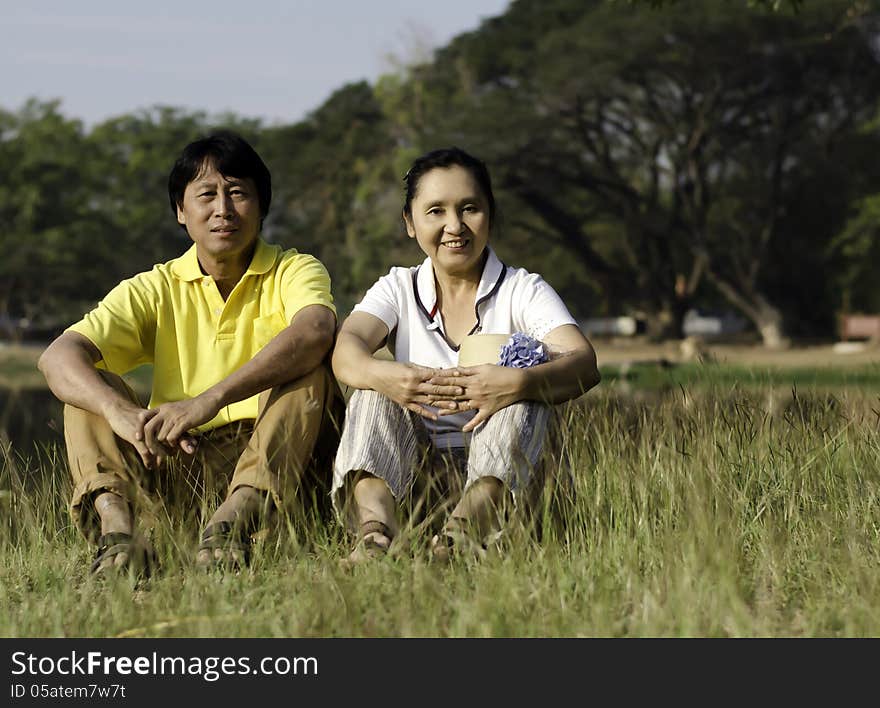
{"x":457,"y":244}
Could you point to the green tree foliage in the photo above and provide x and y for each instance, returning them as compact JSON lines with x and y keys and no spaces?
{"x":644,"y":160}
{"x":135,"y":153}
{"x":47,"y":211}
{"x":774,"y":5}
{"x":660,"y":149}
{"x":856,"y":247}
{"x":331,"y":176}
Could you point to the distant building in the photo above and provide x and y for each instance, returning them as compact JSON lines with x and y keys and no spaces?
{"x":697,"y":323}
{"x":701,"y":323}
{"x":860,"y":326}
{"x":613,"y":326}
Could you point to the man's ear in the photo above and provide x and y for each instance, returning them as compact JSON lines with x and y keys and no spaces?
{"x":181,"y":218}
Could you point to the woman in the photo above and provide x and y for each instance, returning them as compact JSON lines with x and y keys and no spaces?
{"x":491,"y":418}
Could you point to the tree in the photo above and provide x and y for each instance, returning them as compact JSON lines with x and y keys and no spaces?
{"x":773,"y":5}
{"x":134,"y":154}
{"x":47,"y":214}
{"x":666,"y":145}
{"x":335,"y":189}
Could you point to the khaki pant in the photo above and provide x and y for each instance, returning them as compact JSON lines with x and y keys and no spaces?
{"x":287,"y":451}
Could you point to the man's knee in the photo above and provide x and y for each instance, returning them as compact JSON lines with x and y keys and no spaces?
{"x":73,"y":414}
{"x":311,"y":390}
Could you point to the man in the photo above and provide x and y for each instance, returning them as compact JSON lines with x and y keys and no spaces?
{"x":237,"y":331}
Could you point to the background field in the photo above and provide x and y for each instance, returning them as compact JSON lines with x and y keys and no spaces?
{"x":709,"y":500}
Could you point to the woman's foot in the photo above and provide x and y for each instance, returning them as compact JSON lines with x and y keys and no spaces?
{"x":374,"y":541}
{"x":476,"y":518}
{"x":373,"y":511}
{"x":456,"y":539}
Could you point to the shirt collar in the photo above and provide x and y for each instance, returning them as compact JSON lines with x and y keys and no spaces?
{"x":187,"y":266}
{"x":425,"y":286}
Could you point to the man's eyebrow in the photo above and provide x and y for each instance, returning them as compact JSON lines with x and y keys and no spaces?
{"x":202,"y":183}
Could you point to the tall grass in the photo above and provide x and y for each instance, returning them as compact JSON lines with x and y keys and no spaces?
{"x":706,"y":512}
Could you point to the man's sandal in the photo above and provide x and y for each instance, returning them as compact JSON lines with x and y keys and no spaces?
{"x":141,"y":557}
{"x":368,"y":547}
{"x":233,"y":541}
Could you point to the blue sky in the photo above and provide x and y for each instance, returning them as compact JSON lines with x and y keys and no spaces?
{"x":258,"y":58}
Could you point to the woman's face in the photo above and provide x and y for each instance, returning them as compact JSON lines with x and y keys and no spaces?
{"x":450,"y":220}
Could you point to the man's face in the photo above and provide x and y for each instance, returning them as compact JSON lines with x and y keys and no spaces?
{"x":221,"y":214}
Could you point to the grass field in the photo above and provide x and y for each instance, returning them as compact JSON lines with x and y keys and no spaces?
{"x":719,"y":509}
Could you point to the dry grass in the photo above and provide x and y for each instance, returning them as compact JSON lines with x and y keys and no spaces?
{"x":708,"y":512}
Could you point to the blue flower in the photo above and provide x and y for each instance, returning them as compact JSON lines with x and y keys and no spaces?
{"x":522,"y":351}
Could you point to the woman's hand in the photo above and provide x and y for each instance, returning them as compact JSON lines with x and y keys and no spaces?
{"x":411,"y":386}
{"x":486,"y":389}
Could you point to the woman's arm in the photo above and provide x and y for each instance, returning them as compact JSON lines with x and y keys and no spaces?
{"x":571,"y":371}
{"x":359,"y":338}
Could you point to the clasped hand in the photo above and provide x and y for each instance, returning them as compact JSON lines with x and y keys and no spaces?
{"x":410,"y":386}
{"x":485,"y":389}
{"x":159,"y":432}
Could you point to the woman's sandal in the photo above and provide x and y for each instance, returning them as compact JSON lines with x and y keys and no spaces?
{"x":456,"y":540}
{"x":368,"y":547}
{"x":141,"y":557}
{"x":234,"y":542}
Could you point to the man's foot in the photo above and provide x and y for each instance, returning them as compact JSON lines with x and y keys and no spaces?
{"x":118,"y":553}
{"x":225,"y":547}
{"x":226,"y":541}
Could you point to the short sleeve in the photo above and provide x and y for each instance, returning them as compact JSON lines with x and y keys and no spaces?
{"x":123,"y":325}
{"x":538,"y":308}
{"x":304,"y":281}
{"x":382,"y":300}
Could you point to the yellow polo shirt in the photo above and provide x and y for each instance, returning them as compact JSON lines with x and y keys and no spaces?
{"x":174,"y":318}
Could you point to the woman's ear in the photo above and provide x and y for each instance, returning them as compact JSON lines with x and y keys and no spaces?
{"x":410,"y":228}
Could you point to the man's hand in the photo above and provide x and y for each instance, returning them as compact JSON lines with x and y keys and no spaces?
{"x":408,"y":385}
{"x":127,"y":420}
{"x":485,"y":389}
{"x":168,"y":427}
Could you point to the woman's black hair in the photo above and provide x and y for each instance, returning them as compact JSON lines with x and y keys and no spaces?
{"x":231,"y":155}
{"x":448,"y":157}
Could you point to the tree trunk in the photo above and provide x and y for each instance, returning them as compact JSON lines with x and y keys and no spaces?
{"x":768,"y":320}
{"x":766,"y":317}
{"x":658,"y":324}
{"x":667,"y":322}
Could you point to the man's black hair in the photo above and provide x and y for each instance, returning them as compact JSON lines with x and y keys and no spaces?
{"x":231,"y":155}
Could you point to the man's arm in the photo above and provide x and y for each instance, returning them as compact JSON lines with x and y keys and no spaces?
{"x":292,"y":353}
{"x":68,"y":364}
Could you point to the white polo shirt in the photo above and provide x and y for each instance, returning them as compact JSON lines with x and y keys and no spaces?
{"x":508,"y":300}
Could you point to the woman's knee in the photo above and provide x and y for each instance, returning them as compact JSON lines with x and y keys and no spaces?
{"x":375,"y":402}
